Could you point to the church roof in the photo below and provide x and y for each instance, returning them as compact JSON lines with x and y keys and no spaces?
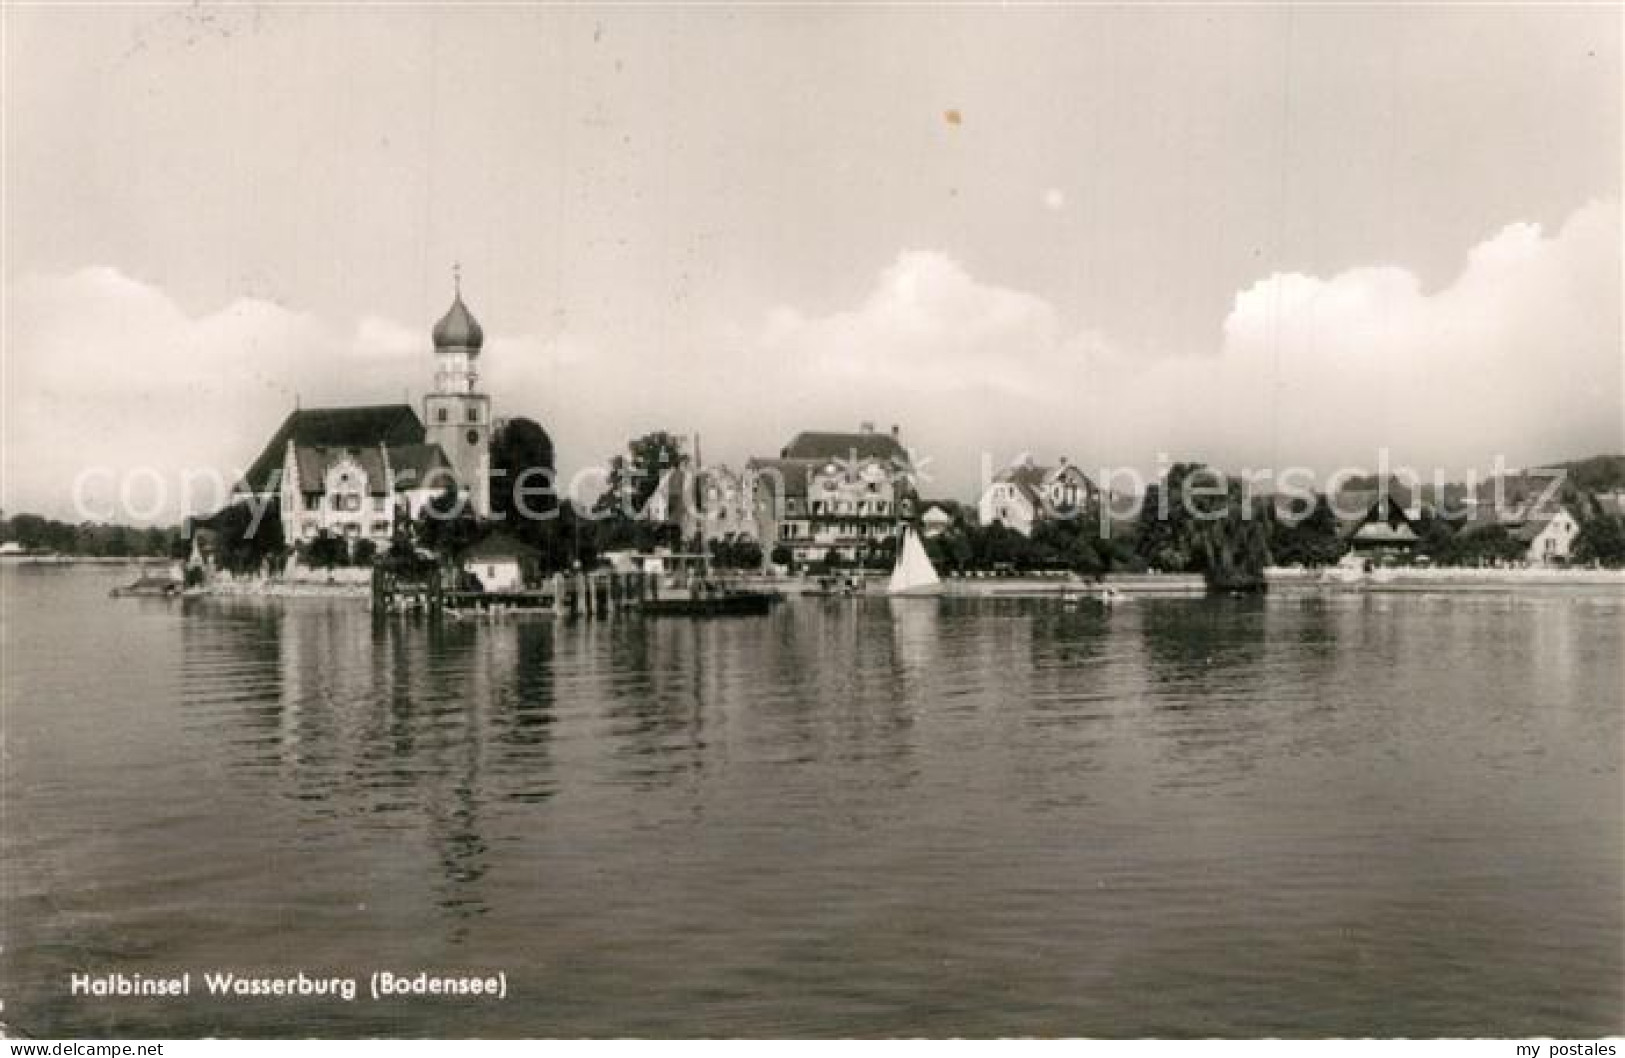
{"x":458,"y":327}
{"x":415,"y":465}
{"x":363,"y":427}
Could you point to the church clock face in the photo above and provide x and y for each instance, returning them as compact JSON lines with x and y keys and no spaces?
{"x":473,"y":437}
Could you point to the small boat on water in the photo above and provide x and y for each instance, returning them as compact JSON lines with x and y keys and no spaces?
{"x":727,"y":603}
{"x":148,"y":588}
{"x":12,"y":551}
{"x":913,"y":575}
{"x":1105,"y":594}
{"x":836,"y":588}
{"x":694,"y":591}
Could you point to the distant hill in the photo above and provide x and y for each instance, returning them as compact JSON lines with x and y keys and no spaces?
{"x":1594,"y":474}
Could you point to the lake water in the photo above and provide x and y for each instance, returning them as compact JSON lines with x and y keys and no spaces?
{"x":1308,"y":815}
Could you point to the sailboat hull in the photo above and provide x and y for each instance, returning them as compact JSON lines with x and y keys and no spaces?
{"x":923,"y":591}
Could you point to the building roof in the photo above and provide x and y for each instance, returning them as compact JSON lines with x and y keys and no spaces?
{"x":361,"y":427}
{"x":416,"y":464}
{"x":458,"y":328}
{"x":1527,"y":530}
{"x":1380,"y":532}
{"x":314,"y":461}
{"x":824,"y":445}
{"x":1027,"y":479}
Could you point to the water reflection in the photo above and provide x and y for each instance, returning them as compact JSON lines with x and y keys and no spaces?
{"x":1327,"y":814}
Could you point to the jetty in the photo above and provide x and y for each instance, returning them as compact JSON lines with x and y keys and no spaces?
{"x":601,"y":593}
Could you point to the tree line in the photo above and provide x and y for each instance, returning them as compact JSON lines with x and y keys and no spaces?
{"x":34,"y":532}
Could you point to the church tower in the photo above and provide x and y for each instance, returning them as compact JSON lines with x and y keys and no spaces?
{"x":457,"y":416}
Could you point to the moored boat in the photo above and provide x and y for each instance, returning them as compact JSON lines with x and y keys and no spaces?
{"x":148,"y":588}
{"x":726,"y":603}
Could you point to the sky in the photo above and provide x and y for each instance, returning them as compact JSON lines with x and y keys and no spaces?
{"x":1261,"y":236}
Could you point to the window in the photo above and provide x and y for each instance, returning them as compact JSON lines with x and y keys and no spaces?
{"x":473,"y":415}
{"x":440,"y":415}
{"x":378,"y":503}
{"x":473,"y":437}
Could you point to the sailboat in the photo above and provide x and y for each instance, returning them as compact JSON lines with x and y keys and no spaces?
{"x":914,"y":574}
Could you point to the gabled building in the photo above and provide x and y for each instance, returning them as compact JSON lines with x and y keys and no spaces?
{"x":498,"y":562}
{"x":1379,"y":521}
{"x":350,"y":472}
{"x":1528,"y":504}
{"x":1549,"y":538}
{"x":831,"y":495}
{"x":935,"y":521}
{"x":1024,"y":494}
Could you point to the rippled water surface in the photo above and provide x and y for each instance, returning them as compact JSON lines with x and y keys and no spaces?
{"x":1334,"y":815}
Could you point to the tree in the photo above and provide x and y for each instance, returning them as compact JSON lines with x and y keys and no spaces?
{"x":1487,"y":544}
{"x":447,"y":525}
{"x":324,"y":551}
{"x":521,"y":466}
{"x":1307,"y":536}
{"x":1068,"y":543}
{"x":739,"y":553}
{"x":1164,"y":537}
{"x":1601,"y":540}
{"x":634,"y":476}
{"x":1233,"y":542}
{"x":620,"y":513}
{"x":244,"y":544}
{"x":1197,"y":520}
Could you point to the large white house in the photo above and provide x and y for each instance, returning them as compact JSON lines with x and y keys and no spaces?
{"x":832,"y":495}
{"x":1023,"y":494}
{"x":1549,"y":538}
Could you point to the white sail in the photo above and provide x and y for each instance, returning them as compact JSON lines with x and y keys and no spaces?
{"x":913,"y":574}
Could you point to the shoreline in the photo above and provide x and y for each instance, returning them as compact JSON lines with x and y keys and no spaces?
{"x":1139,"y":585}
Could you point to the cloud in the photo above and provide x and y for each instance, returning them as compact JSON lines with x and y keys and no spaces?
{"x":1518,"y":355}
{"x":110,"y":381}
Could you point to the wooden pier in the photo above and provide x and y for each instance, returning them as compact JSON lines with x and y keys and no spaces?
{"x":589,"y":595}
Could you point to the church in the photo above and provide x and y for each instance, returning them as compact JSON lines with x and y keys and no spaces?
{"x":349,"y":472}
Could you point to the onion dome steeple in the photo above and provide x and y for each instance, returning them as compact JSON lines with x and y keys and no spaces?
{"x":458,"y":328}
